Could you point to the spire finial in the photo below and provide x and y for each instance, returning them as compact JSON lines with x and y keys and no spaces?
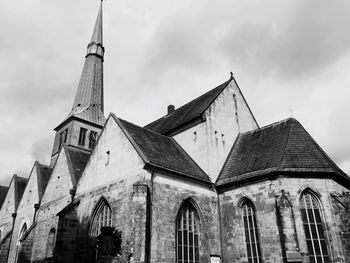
{"x":231,"y":75}
{"x":97,"y":36}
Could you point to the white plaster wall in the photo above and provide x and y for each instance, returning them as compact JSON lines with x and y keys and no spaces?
{"x":60,"y":181}
{"x":227,"y":116}
{"x":8,"y":207}
{"x":122,"y":162}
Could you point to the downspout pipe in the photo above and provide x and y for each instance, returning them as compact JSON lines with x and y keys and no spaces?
{"x":149,"y":205}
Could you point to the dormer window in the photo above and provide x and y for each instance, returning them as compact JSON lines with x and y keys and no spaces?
{"x":92,"y":139}
{"x":82,"y":136}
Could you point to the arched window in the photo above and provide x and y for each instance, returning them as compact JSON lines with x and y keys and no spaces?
{"x":50,"y":243}
{"x":187,"y":234}
{"x":251,"y":232}
{"x":19,"y":242}
{"x":313,"y":226}
{"x":102,"y":216}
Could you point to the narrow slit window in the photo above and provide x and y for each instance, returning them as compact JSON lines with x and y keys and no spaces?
{"x":82,"y":136}
{"x":251,"y":232}
{"x":50,"y":245}
{"x":63,"y":138}
{"x":314,"y":229}
{"x":92,"y":139}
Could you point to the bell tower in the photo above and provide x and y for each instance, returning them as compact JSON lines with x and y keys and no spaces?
{"x":81,"y":127}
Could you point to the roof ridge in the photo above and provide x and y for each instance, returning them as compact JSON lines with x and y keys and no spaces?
{"x":285,"y":147}
{"x":222,"y":86}
{"x":269,"y":125}
{"x":334,"y":165}
{"x":144,"y":128}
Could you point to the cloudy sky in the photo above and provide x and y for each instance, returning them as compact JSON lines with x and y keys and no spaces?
{"x":290,"y":58}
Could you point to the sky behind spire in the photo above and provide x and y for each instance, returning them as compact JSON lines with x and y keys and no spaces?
{"x":290,"y":58}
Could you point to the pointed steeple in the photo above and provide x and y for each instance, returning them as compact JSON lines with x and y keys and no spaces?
{"x":86,"y":119}
{"x":88,"y":103}
{"x":97,"y":36}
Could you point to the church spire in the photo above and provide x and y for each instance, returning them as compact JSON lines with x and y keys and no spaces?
{"x":88,"y":103}
{"x":97,"y":36}
{"x":86,"y":119}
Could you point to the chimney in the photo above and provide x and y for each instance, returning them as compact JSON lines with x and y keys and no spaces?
{"x":171,"y":109}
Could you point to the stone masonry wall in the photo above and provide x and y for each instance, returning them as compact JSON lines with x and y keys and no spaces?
{"x":128,"y":201}
{"x":25,"y":252}
{"x":288,"y":228}
{"x":341,"y":208}
{"x":5,"y":246}
{"x":25,"y":211}
{"x":66,"y":236}
{"x":168,"y":195}
{"x":47,"y":219}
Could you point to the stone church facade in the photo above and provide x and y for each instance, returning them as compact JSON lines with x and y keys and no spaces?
{"x":203,"y":183}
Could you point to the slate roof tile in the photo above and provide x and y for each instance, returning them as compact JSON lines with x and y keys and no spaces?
{"x":45,"y":174}
{"x":282,"y":146}
{"x":3,"y":193}
{"x":186,"y":113}
{"x":79,"y":161}
{"x":163,"y":151}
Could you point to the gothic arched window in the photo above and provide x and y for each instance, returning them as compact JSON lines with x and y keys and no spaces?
{"x":187,"y":235}
{"x":313,"y":226}
{"x":50,"y":243}
{"x":19,"y":244}
{"x":251,"y":232}
{"x":102,"y":216}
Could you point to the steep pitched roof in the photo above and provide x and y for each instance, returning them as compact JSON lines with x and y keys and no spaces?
{"x":45,"y":172}
{"x":3,"y":193}
{"x":160,"y":151}
{"x":280,"y":147}
{"x":187,"y":113}
{"x":21,"y":186}
{"x":78,"y":159}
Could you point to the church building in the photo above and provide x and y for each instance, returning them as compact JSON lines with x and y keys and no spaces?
{"x":202,"y":184}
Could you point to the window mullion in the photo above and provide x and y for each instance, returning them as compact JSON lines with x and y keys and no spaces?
{"x":250,"y":237}
{"x":255,"y":238}
{"x":309,"y":226}
{"x":318,"y":236}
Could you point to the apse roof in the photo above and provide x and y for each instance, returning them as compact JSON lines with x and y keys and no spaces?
{"x":161,"y":151}
{"x":284,"y":146}
{"x":186,"y":113}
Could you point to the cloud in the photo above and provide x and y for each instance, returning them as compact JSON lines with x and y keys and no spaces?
{"x":287,"y":39}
